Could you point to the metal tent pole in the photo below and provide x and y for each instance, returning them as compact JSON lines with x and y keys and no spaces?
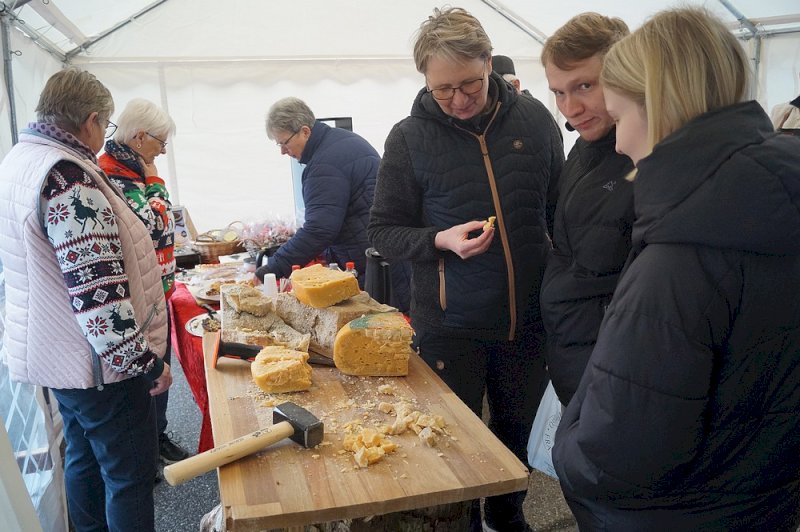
{"x":8,"y":77}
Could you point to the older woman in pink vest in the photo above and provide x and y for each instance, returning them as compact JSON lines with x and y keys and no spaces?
{"x":85,"y":305}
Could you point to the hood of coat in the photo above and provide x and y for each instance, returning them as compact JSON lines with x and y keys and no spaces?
{"x":724,"y":180}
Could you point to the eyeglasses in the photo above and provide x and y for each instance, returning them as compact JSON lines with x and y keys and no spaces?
{"x":285,"y":142}
{"x":467,"y":88}
{"x":163,"y":143}
{"x":111,"y":128}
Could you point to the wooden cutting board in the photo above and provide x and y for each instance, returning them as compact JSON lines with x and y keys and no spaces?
{"x":287,"y":485}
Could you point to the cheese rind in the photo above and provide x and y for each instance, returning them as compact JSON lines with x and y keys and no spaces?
{"x":321,"y":287}
{"x":374,"y":345}
{"x":249,"y":317}
{"x":281,"y":370}
{"x":322,"y":324}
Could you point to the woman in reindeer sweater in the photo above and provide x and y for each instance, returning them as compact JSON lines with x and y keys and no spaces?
{"x":85,"y":305}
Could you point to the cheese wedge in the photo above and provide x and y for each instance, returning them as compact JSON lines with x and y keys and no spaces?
{"x":374,"y":345}
{"x":281,"y":370}
{"x":321,"y":287}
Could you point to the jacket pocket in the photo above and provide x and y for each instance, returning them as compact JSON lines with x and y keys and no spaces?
{"x":150,"y":316}
{"x":473,"y":293}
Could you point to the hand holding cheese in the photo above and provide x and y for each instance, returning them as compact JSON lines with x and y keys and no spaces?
{"x":457,"y":240}
{"x":321,"y":287}
{"x":374,"y":345}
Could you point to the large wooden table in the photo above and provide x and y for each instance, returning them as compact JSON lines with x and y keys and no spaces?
{"x":288,"y":486}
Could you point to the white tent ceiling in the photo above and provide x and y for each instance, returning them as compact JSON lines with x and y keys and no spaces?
{"x":217,"y":67}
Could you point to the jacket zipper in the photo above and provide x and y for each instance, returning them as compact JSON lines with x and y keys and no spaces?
{"x":501,"y":226}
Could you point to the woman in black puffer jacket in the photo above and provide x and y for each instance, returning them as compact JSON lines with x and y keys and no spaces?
{"x":686,"y":416}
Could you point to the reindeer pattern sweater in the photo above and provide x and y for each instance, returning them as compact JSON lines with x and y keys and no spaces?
{"x":80,"y":224}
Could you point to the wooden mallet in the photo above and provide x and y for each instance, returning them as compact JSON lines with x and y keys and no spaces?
{"x":288,"y":421}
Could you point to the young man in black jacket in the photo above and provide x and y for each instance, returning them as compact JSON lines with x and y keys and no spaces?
{"x":594,"y":214}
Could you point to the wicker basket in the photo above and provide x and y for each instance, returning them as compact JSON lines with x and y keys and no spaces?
{"x":211,"y":249}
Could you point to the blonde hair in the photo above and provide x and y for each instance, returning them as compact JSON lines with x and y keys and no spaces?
{"x":451,"y":33}
{"x":582,"y":37}
{"x":680,"y":64}
{"x":70,"y":96}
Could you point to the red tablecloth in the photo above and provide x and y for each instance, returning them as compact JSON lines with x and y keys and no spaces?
{"x":189,"y":350}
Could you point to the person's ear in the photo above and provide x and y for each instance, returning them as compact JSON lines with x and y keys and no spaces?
{"x":88,"y":124}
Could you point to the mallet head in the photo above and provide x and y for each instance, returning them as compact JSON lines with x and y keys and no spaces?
{"x":308,"y":430}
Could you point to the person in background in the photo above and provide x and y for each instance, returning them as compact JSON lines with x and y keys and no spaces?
{"x":473,"y":148}
{"x":594,"y":213}
{"x":85,"y":306}
{"x":686,"y":416}
{"x":338,"y":186}
{"x":786,"y":117}
{"x":504,"y":65}
{"x":143,"y":130}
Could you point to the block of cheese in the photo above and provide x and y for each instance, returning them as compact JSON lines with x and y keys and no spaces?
{"x":322,"y":324}
{"x":246,"y":299}
{"x":374,"y":345}
{"x":322,"y":287}
{"x":248,"y":317}
{"x":278,"y":333}
{"x":281,"y":370}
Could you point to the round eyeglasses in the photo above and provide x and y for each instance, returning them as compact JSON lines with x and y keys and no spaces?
{"x":467,"y":88}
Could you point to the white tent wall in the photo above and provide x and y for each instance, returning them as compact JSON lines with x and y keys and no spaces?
{"x":30,"y":66}
{"x":210,"y":75}
{"x":218,"y":67}
{"x":226,"y":168}
{"x":779,"y":72}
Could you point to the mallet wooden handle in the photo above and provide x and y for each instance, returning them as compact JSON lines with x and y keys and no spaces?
{"x":180,"y":472}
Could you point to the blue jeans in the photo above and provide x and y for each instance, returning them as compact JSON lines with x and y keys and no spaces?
{"x":110,"y":462}
{"x":513,"y":377}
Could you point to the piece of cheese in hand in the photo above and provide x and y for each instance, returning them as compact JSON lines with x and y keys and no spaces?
{"x":321,"y":287}
{"x":489,"y":223}
{"x":281,"y":370}
{"x":374,"y":345}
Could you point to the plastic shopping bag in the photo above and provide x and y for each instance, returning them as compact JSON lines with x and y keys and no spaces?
{"x":543,"y":432}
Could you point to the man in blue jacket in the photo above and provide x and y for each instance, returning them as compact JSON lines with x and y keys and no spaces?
{"x":338,"y":185}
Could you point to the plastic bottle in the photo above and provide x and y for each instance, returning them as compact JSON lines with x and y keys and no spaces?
{"x":334,"y":266}
{"x":350,"y":267}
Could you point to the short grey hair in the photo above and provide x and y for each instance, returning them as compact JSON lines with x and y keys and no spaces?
{"x":289,"y":114}
{"x":143,"y":115}
{"x":70,"y":96}
{"x":451,"y":33}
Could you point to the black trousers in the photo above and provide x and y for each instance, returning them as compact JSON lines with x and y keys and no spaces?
{"x":513,"y":376}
